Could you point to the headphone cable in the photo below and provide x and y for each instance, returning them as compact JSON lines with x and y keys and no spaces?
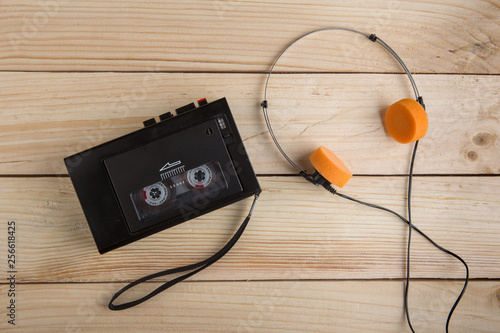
{"x":411,"y":226}
{"x":408,"y":246}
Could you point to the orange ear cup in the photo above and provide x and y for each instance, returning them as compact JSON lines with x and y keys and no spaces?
{"x":330,"y":166}
{"x":406,"y":121}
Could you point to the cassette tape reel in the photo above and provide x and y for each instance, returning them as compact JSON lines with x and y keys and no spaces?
{"x":153,"y":199}
{"x":156,"y":194}
{"x":200,"y":178}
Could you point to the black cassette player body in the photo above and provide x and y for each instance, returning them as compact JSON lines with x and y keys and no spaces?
{"x":166,"y":173}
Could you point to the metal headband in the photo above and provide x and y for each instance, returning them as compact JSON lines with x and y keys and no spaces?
{"x":371,"y":37}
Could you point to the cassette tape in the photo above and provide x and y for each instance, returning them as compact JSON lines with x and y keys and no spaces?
{"x":169,"y":172}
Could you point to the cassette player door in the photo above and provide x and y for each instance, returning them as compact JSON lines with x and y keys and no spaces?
{"x":173,"y":178}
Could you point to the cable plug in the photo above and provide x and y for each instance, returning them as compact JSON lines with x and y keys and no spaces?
{"x":318,"y":180}
{"x":304,"y":174}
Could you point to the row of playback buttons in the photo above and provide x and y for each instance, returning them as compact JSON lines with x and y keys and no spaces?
{"x":183,"y":109}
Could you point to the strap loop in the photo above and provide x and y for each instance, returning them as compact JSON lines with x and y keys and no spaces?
{"x":195,"y":268}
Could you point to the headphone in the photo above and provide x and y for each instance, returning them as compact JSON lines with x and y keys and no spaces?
{"x":405,"y":121}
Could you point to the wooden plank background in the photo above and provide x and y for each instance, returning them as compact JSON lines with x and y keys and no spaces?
{"x":49,"y":116}
{"x":456,"y":36}
{"x":74,"y":74}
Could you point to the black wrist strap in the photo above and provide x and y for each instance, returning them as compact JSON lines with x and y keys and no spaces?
{"x":194,"y":268}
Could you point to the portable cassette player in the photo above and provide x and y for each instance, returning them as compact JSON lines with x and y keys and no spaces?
{"x":169,"y":172}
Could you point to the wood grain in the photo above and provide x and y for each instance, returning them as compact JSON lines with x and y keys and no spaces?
{"x":297,"y":232}
{"x":307,"y":306}
{"x":48,"y":116}
{"x":457,"y":36}
{"x":308,"y":261}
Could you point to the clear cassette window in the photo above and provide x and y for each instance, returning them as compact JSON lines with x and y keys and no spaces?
{"x":183,"y":191}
